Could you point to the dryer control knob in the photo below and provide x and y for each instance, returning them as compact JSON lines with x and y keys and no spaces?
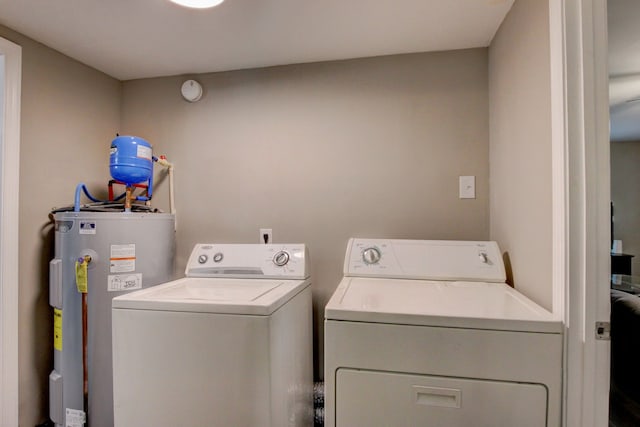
{"x":202,"y":258}
{"x":371,"y":255}
{"x":281,"y":258}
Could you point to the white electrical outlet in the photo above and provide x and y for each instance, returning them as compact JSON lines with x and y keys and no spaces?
{"x":266,"y":235}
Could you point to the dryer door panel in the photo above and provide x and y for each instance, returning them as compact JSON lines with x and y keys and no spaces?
{"x":370,"y":398}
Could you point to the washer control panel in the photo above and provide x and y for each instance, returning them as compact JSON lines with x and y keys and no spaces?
{"x":288,"y":261}
{"x":281,"y":258}
{"x":425,"y":259}
{"x":371,"y":255}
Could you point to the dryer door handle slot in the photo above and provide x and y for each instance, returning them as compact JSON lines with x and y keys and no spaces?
{"x":437,"y":396}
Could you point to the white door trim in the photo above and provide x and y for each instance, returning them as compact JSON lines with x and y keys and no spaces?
{"x":587,"y":201}
{"x":9,"y":181}
{"x":558,"y":157}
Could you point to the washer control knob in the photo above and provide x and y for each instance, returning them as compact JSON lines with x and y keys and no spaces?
{"x":484,"y":258}
{"x":371,"y":255}
{"x":281,"y":258}
{"x":218,"y":257}
{"x":203,"y":258}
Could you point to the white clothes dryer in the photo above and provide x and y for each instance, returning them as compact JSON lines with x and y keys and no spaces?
{"x":228,"y":345}
{"x":427,"y":333}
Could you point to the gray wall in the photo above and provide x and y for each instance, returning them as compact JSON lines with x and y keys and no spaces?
{"x":323,"y":152}
{"x":625,"y":194}
{"x":520,"y":160}
{"x":70,"y":113}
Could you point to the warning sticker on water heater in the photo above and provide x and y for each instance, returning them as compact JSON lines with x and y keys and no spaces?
{"x":123,"y":258}
{"x":57,"y":329}
{"x":75,"y":418}
{"x":87,"y":227}
{"x":124,"y":282}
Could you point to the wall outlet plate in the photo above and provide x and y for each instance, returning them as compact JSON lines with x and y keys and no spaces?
{"x":266,"y":235}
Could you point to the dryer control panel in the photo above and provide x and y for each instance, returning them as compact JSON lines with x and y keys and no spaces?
{"x":425,"y":259}
{"x":285,"y":261}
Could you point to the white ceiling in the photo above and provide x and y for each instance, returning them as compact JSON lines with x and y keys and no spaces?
{"x":132,"y":39}
{"x":624,"y":69}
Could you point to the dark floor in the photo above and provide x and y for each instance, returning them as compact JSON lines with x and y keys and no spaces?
{"x":623,"y":412}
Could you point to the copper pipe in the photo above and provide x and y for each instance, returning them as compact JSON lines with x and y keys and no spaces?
{"x":127,"y":199}
{"x":85,"y":369}
{"x":85,"y":363}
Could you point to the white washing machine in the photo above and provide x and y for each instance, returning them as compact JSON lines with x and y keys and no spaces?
{"x":228,"y":345}
{"x":427,"y":333}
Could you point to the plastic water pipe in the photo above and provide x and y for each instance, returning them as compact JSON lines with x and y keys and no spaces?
{"x":79,"y":188}
{"x":164,"y":162}
{"x":149,"y":186}
{"x":149,"y":192}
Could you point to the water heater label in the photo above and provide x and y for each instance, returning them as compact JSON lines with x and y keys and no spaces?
{"x":57,"y":329}
{"x":74,"y":418}
{"x":144,"y":152}
{"x":124,"y":282}
{"x":87,"y":227}
{"x":123,"y":258}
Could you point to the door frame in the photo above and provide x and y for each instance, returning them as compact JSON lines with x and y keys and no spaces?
{"x":587,"y":203}
{"x":9,"y":215}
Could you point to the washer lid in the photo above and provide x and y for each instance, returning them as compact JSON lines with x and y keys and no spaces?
{"x":477,"y":305}
{"x":214,"y":295}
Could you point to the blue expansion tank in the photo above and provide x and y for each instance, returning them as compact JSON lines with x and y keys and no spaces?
{"x":131,"y":160}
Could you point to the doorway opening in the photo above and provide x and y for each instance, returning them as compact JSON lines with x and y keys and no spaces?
{"x":624,"y":145}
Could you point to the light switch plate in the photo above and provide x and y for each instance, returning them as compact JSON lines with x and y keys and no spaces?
{"x":467,"y":187}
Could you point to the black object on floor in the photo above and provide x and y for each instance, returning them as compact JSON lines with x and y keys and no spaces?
{"x":318,"y":404}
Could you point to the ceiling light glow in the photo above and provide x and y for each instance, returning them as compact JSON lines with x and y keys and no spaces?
{"x":197,"y":4}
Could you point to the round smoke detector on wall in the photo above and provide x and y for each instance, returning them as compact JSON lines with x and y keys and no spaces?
{"x":191,"y":90}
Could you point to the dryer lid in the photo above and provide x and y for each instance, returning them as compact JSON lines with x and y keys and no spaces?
{"x":473,"y":305}
{"x":214,"y":295}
